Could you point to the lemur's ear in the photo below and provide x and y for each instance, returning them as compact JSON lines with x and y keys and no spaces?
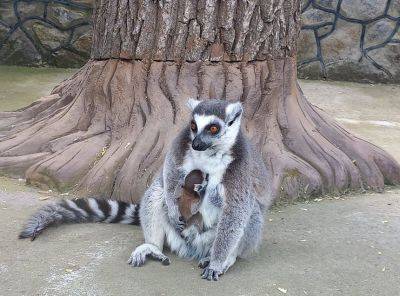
{"x":233,"y":113}
{"x":192,"y":103}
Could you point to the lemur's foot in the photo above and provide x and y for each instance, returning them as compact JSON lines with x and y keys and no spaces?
{"x":139,"y":255}
{"x":190,"y":233}
{"x":211,"y":274}
{"x":204,"y":262}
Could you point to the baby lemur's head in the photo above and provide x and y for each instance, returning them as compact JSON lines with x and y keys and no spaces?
{"x":189,"y":201}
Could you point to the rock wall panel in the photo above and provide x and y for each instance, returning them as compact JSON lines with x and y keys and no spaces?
{"x":42,"y":32}
{"x":353,"y":40}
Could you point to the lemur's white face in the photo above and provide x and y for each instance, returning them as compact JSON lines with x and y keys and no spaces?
{"x":211,"y":132}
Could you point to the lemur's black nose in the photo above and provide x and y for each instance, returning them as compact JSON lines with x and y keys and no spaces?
{"x":199,"y":145}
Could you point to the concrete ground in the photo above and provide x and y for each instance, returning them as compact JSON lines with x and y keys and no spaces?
{"x":330,"y":246}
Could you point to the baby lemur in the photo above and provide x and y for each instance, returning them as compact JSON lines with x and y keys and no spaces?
{"x":190,"y":199}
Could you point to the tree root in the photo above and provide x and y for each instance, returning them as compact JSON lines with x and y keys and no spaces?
{"x":104,"y":132}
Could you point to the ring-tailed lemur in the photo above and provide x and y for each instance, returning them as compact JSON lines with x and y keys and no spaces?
{"x":235,"y":197}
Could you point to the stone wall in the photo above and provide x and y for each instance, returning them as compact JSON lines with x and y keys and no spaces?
{"x":355,"y":40}
{"x":45,"y":32}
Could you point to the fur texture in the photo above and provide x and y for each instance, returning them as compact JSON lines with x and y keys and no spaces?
{"x":78,"y":211}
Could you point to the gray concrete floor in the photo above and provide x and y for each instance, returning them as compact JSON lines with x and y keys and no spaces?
{"x":330,"y":247}
{"x":333,"y":246}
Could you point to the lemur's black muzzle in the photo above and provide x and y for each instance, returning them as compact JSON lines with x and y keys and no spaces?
{"x":199,"y":145}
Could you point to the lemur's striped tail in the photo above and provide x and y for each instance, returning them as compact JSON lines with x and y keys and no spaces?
{"x":79,"y":211}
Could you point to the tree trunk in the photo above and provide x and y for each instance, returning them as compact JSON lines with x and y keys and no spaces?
{"x":105,"y":131}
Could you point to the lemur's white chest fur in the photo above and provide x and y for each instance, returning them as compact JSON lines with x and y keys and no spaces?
{"x":215,"y":166}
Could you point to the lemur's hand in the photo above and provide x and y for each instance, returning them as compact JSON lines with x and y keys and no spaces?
{"x":176,"y":221}
{"x":201,"y":188}
{"x":190,"y":233}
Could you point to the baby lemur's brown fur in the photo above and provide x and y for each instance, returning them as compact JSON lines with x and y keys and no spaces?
{"x":190,"y":200}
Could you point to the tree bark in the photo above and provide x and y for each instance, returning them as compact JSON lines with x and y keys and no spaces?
{"x":104,"y":132}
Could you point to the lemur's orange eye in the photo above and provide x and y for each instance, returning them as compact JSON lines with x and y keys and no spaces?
{"x":193,"y":126}
{"x":214,"y":129}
